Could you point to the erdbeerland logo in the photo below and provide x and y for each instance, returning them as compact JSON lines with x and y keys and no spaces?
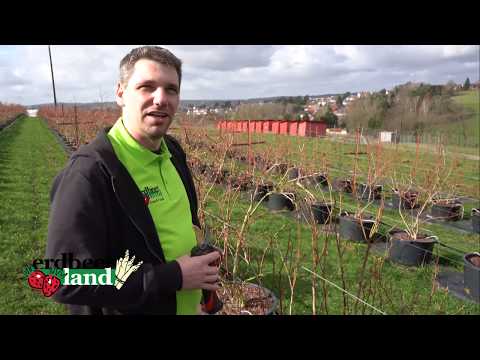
{"x":152,"y":194}
{"x":48,"y":280}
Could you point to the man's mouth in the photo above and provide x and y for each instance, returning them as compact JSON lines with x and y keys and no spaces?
{"x":158,"y":114}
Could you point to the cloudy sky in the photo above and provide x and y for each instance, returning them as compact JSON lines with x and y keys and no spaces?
{"x":89,"y":73}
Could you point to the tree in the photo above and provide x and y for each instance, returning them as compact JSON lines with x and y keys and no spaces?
{"x":375,"y":122}
{"x":450,"y":88}
{"x":339,"y":101}
{"x":466,"y":86}
{"x":330,"y":118}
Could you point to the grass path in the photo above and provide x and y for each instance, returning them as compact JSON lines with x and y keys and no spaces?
{"x":30,"y":157}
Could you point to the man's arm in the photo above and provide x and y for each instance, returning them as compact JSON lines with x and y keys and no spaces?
{"x":78,"y":225}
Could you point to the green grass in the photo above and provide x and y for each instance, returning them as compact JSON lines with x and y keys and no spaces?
{"x":30,"y":157}
{"x":470,"y":127}
{"x":391,"y":288}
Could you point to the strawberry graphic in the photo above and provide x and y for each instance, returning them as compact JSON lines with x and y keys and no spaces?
{"x":50,"y":285}
{"x":146,"y":199}
{"x":36,"y":279}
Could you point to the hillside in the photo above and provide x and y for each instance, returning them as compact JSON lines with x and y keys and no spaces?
{"x":469,"y":128}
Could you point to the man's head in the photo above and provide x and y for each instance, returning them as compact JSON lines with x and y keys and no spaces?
{"x":148,"y":92}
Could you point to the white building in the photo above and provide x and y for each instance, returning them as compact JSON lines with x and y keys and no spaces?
{"x":386,"y":136}
{"x":32,"y":112}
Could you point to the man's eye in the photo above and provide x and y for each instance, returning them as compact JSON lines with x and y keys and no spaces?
{"x":173,"y":91}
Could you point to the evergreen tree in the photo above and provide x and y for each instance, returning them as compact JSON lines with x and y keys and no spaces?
{"x":330,"y":118}
{"x":466,"y":86}
{"x":339,"y":101}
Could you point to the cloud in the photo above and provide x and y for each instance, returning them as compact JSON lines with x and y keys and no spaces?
{"x":89,"y":73}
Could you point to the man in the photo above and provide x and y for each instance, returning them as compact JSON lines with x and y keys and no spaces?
{"x":131,"y":189}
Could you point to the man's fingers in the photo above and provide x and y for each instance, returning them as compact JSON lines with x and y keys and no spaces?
{"x":211,"y":257}
{"x":211,"y":279}
{"x":212,"y":287}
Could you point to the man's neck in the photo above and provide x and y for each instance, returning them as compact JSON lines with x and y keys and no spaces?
{"x":146,"y":142}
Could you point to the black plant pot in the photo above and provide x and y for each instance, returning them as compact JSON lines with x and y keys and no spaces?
{"x":279,"y":169}
{"x":452,"y":211}
{"x":293,"y":173}
{"x":355,"y":229}
{"x":308,"y":181}
{"x":280,"y":201}
{"x":409,"y":200}
{"x":370,"y":193}
{"x":476,"y":220}
{"x":345,"y":186}
{"x":239,"y":183}
{"x":322,"y":212}
{"x":405,"y":251}
{"x":471,"y":276}
{"x":261,"y":190}
{"x":273,"y":308}
{"x":268,"y":295}
{"x":321,"y":179}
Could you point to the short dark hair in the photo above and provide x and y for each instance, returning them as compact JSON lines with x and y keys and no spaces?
{"x":155,"y":53}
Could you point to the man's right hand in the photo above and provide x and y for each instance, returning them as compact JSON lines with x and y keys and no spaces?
{"x":197,"y":273}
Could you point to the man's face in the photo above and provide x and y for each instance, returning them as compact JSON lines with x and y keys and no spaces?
{"x":149,"y":100}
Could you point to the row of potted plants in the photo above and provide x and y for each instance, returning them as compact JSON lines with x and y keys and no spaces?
{"x":408,"y":246}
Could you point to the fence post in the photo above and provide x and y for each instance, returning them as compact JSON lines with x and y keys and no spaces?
{"x":76,"y":127}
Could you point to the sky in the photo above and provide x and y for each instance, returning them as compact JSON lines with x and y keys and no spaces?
{"x":89,"y":73}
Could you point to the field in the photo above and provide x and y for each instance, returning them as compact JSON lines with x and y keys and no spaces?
{"x":310,"y":267}
{"x":468,"y":131}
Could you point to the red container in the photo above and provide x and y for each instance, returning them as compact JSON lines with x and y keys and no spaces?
{"x":275,"y":127}
{"x":238,"y":126}
{"x":258,"y":126}
{"x":302,"y":128}
{"x":251,"y":126}
{"x":283,"y":130}
{"x":293,"y":128}
{"x":244,"y":126}
{"x":317,"y":129}
{"x":266,"y":126}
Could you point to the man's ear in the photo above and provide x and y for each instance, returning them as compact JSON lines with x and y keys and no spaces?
{"x":119,"y":95}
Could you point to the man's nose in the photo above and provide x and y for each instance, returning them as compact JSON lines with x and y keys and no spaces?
{"x":160,"y":97}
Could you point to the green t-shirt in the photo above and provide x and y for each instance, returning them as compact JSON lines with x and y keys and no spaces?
{"x":157,"y":178}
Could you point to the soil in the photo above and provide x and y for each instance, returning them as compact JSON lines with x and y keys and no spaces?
{"x":244,"y":299}
{"x":402,"y":235}
{"x":475,"y":260}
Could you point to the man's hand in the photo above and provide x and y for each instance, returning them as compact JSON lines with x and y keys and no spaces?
{"x":197,"y":274}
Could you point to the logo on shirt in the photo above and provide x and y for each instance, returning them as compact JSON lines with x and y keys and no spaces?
{"x":152,"y":194}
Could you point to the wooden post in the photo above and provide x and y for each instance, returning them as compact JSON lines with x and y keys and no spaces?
{"x":249,"y":145}
{"x":53,"y":80}
{"x":77,"y":143}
